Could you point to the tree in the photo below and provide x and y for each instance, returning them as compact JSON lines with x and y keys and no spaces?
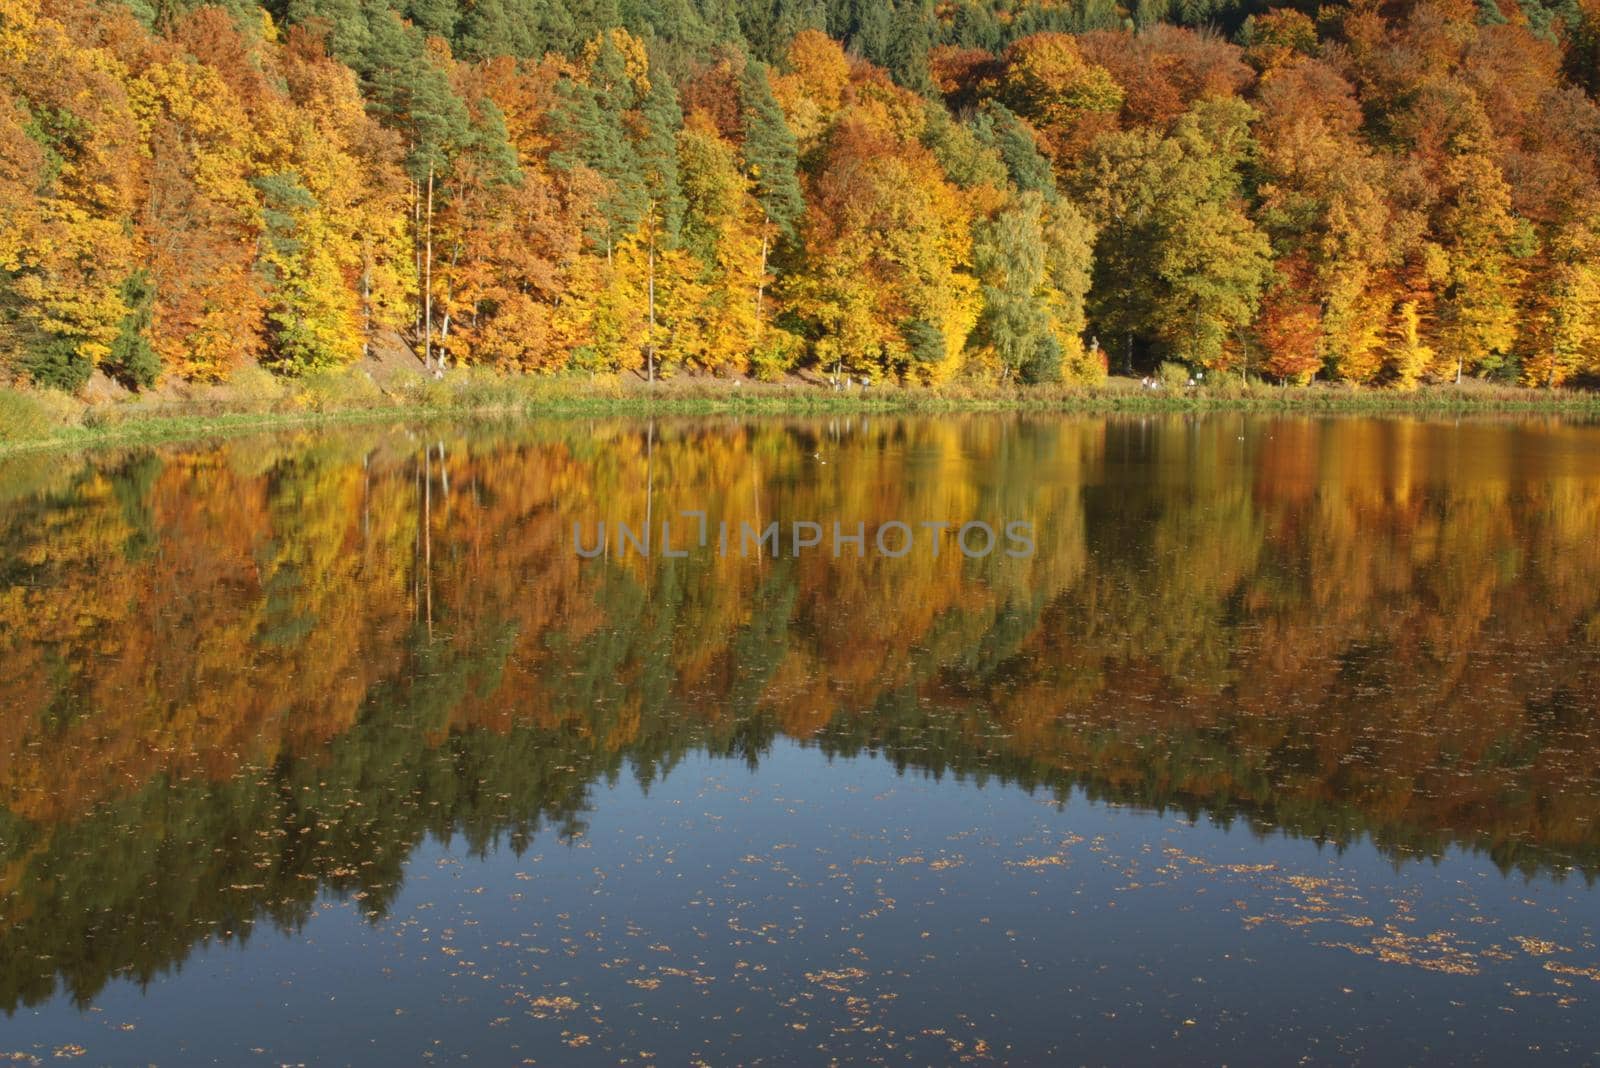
{"x":659,"y":120}
{"x":770,"y":160}
{"x":1008,"y":259}
{"x":1165,"y":71}
{"x":354,"y":168}
{"x":966,"y":156}
{"x":768,"y":149}
{"x":409,"y":89}
{"x":1563,"y":333}
{"x":1018,"y":145}
{"x":1178,"y":262}
{"x":512,"y":241}
{"x":594,"y":134}
{"x":66,"y":269}
{"x":1409,"y":354}
{"x":1069,"y":99}
{"x":723,"y":231}
{"x":312,"y":312}
{"x":1478,"y":311}
{"x":1290,"y":325}
{"x":1069,"y":239}
{"x":132,"y":360}
{"x":521,"y":28}
{"x":1332,"y":228}
{"x":886,"y":284}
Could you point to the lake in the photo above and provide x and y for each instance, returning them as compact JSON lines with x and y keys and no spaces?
{"x":1245,"y":739}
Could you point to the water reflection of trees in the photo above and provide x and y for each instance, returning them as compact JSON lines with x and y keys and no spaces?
{"x":234,"y":676}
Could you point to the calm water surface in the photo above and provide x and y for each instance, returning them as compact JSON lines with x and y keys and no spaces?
{"x":1284,"y":743}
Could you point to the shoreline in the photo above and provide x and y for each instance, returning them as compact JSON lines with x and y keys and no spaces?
{"x":55,"y":422}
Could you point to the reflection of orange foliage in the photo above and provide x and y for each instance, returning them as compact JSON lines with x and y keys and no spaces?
{"x":1384,"y":615}
{"x":802,"y":695}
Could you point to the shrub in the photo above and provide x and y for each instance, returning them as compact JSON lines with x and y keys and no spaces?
{"x":1044,"y":363}
{"x":1174,"y":377}
{"x":778,"y":351}
{"x":406,"y":386}
{"x":132,"y":361}
{"x":31,"y":415}
{"x":336,"y":390}
{"x":55,"y":362}
{"x":1229,"y":386}
{"x":22,"y":418}
{"x":256,"y":389}
{"x":483,"y":387}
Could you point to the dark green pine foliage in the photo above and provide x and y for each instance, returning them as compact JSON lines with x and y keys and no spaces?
{"x":1078,"y":17}
{"x":870,"y":29}
{"x":968,"y":159}
{"x":523,"y":28}
{"x":677,"y":30}
{"x":1146,"y":13}
{"x":348,"y":23}
{"x":769,"y":25}
{"x":721,"y":20}
{"x":1554,"y":20}
{"x":974,"y":26}
{"x":282,"y":195}
{"x":132,"y":361}
{"x":1044,"y":363}
{"x":894,"y":34}
{"x":412,"y":95}
{"x":913,"y":33}
{"x":924,"y":340}
{"x":436,"y":18}
{"x":157,"y":15}
{"x":490,"y":144}
{"x":660,"y":119}
{"x":590,"y":18}
{"x":1004,"y":131}
{"x":1583,"y":53}
{"x":52,"y":360}
{"x":769,"y":151}
{"x":593,"y":122}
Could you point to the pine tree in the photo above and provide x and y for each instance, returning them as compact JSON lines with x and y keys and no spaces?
{"x":769,"y":152}
{"x":660,"y":120}
{"x":1001,"y":128}
{"x":592,"y":121}
{"x":412,"y":95}
{"x":132,"y":361}
{"x":522,"y":28}
{"x":771,"y":160}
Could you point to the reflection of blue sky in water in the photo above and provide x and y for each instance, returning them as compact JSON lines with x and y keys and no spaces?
{"x":837,"y":906}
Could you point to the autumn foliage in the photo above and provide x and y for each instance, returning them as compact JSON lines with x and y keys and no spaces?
{"x":1382,"y":194}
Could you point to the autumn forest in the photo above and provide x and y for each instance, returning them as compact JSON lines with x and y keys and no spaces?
{"x":913,"y":192}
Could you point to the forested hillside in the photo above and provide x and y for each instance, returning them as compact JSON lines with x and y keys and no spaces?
{"x":921,"y":192}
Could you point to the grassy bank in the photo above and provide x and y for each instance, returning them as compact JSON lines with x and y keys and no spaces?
{"x":255,"y":401}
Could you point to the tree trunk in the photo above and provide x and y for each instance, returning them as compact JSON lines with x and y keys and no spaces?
{"x":761,"y":285}
{"x":366,"y":297}
{"x":450,"y":295}
{"x":427,"y":282}
{"x":650,"y":287}
{"x":416,"y":254}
